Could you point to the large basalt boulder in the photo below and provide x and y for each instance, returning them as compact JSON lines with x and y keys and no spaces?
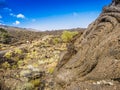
{"x":92,"y":61}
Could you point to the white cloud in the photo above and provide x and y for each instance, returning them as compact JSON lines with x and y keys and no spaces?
{"x":17,"y":16}
{"x":0,"y":17}
{"x":16,"y":23}
{"x":7,"y":9}
{"x":20,"y":16}
{"x":11,"y":14}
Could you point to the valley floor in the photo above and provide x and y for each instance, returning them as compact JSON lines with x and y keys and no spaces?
{"x":30,"y":66}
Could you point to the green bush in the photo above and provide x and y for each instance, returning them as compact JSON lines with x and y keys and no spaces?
{"x":68,"y":35}
{"x":14,"y":66}
{"x":4,"y":36}
{"x":16,"y":55}
{"x":18,"y":51}
{"x":5,"y":65}
{"x":19,"y":63}
{"x":35,"y":82}
{"x":8,"y":55}
{"x":51,"y":70}
{"x":56,"y":40}
{"x":2,"y":30}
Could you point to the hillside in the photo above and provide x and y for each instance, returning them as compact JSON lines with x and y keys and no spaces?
{"x":21,"y":35}
{"x":28,"y":62}
{"x":75,"y":59}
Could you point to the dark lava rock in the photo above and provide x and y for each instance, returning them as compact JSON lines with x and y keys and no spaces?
{"x":94,"y":56}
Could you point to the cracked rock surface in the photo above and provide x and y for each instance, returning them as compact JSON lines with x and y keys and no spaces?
{"x":93,"y":57}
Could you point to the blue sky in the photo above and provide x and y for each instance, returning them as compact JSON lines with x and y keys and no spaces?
{"x":50,"y":14}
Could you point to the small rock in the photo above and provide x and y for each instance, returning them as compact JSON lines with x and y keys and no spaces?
{"x":25,"y":73}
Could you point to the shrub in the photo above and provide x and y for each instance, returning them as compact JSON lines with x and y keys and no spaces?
{"x":31,"y":55}
{"x":51,"y":70}
{"x":2,"y":30}
{"x":5,"y":65}
{"x":28,"y":56}
{"x":18,"y":51}
{"x":20,"y":63}
{"x":56,"y":40}
{"x":8,"y":54}
{"x":68,"y":35}
{"x":16,"y":55}
{"x":14,"y":66}
{"x":35,"y":82}
{"x":4,"y":36}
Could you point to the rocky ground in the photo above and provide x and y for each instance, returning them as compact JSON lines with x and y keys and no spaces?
{"x":30,"y":66}
{"x":88,"y":62}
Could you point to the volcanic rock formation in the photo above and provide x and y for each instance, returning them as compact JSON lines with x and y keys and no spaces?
{"x":92,"y":61}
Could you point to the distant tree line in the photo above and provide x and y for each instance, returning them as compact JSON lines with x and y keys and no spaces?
{"x":4,"y":36}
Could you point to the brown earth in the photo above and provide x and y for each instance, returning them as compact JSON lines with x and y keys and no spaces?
{"x":21,"y":35}
{"x":28,"y":61}
{"x":92,"y":61}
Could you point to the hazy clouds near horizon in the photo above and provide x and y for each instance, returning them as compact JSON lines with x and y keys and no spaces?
{"x":50,"y":14}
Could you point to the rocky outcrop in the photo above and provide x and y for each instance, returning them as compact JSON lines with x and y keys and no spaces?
{"x":93,"y":59}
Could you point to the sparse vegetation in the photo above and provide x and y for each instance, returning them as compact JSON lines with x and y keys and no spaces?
{"x":32,"y":62}
{"x":51,"y":70}
{"x":68,"y":35}
{"x":18,"y":51}
{"x":56,"y":40}
{"x":20,"y":63}
{"x":4,"y":36}
{"x":35,"y":82}
{"x":27,"y":86}
{"x":5,"y":65}
{"x":8,"y":54}
{"x":15,"y":54}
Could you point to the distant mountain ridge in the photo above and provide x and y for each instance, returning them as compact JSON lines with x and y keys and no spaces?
{"x":21,"y":35}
